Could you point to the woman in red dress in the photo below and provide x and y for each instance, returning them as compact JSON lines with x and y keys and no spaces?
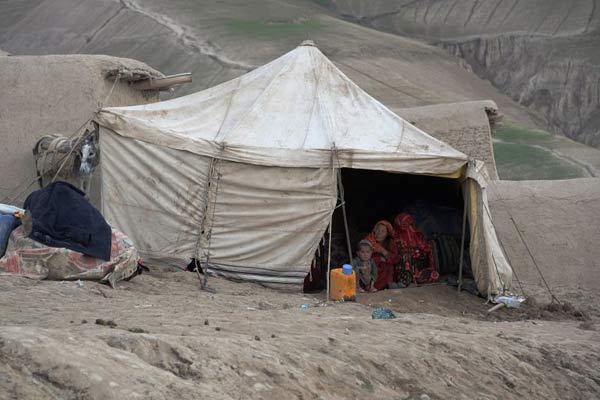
{"x":414,"y":251}
{"x":385,"y":256}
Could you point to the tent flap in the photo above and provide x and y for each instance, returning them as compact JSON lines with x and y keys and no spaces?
{"x":491,"y":269}
{"x":266,"y":222}
{"x":154,"y":195}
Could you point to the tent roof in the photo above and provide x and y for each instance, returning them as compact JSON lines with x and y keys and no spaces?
{"x":299,"y":110}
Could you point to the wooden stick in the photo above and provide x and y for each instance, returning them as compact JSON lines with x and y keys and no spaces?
{"x":341,"y":190}
{"x":329,"y":255}
{"x":496,"y":307}
{"x":333,"y":176}
{"x":164,"y":83}
{"x":464,"y":227}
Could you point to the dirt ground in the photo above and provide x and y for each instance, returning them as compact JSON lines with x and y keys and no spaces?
{"x":160,"y":337}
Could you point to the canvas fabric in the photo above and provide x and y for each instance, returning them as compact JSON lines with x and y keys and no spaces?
{"x":292,"y":112}
{"x":264,"y":223}
{"x":242,"y":176}
{"x":155,"y":195}
{"x":29,"y":258}
{"x":491,"y":269}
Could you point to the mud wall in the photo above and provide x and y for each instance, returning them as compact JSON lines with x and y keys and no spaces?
{"x":42,"y":95}
{"x":464,"y":126}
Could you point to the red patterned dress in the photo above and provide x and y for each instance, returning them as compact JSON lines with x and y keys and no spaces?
{"x":417,"y":264}
{"x":386,"y":264}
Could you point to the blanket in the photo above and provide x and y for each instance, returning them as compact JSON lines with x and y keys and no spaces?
{"x":59,"y":215}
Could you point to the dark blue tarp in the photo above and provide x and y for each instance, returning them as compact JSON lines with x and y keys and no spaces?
{"x":62,"y":217}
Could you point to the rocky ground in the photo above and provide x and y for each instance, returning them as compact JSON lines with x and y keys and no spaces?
{"x":158,"y":336}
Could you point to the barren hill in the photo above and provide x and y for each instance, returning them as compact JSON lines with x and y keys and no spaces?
{"x":543,"y":54}
{"x":219,"y":40}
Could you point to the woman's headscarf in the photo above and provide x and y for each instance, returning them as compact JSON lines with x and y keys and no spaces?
{"x":408,"y":234}
{"x":390,"y":238}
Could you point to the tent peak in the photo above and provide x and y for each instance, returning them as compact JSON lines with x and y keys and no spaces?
{"x":308,"y":43}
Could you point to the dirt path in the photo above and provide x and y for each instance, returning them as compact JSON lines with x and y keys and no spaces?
{"x":170,"y":340}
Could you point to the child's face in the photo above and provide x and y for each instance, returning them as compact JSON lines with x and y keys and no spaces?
{"x":364,"y":253}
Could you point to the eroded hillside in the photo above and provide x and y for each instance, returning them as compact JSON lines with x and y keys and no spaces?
{"x":543,"y":54}
{"x":220,"y":40}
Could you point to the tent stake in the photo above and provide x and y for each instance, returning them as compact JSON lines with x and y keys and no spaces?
{"x":462,"y":240}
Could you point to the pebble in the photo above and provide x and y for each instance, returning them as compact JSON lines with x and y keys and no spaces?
{"x":257,"y":338}
{"x":424,"y":397}
{"x":108,"y":322}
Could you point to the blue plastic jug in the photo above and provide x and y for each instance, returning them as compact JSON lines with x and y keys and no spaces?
{"x":7,"y":224}
{"x":347,"y":269}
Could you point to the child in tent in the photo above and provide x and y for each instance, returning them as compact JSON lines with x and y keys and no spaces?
{"x":365,"y":268}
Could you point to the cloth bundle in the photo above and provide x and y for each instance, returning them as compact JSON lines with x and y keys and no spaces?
{"x":29,"y":258}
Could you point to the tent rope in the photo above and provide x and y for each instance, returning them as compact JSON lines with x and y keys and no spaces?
{"x":16,"y":195}
{"x":209,"y":234}
{"x":110,"y":92}
{"x":554,"y":298}
{"x":66,"y":158}
{"x":204,"y":230}
{"x":80,"y":139}
{"x":552,"y":295}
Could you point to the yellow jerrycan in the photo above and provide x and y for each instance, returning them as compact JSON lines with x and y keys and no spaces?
{"x":343,"y":284}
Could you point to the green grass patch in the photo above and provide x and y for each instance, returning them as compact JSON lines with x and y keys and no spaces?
{"x":517,"y":161}
{"x":263,"y":29}
{"x":525,"y":154}
{"x":517,"y":134}
{"x":323,"y":3}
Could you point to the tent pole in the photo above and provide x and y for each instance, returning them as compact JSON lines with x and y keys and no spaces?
{"x":329,"y":255}
{"x":333,"y":176}
{"x":466,"y":197}
{"x":341,"y":190}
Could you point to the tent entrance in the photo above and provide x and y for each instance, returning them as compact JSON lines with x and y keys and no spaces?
{"x":436,"y":205}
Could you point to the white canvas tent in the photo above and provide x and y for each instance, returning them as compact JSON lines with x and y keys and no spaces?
{"x":242,"y":176}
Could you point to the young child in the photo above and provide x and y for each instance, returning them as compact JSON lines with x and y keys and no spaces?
{"x":365,"y":268}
